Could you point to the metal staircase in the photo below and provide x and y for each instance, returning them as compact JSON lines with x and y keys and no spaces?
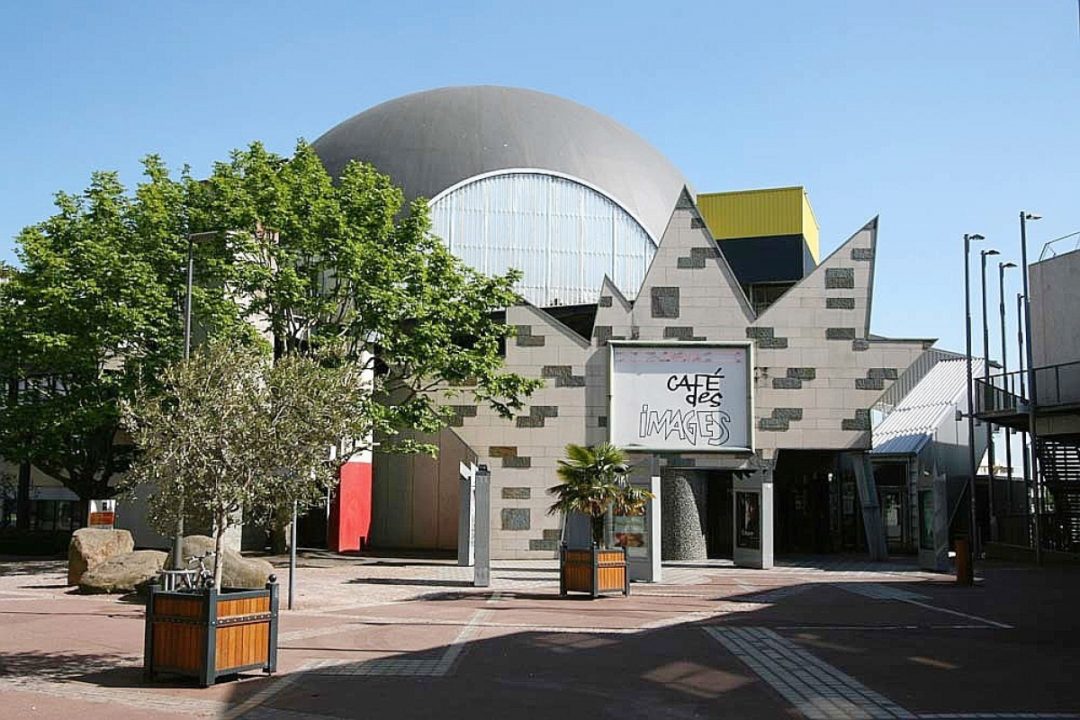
{"x":1059,"y":461}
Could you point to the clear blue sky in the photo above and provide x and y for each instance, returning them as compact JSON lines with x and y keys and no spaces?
{"x":941,"y":117}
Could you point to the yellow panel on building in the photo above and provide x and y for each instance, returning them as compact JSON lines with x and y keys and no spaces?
{"x":760,"y":213}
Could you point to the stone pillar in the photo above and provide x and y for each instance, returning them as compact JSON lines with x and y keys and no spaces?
{"x":683,"y":504}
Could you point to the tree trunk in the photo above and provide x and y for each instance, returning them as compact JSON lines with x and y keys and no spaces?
{"x":219,"y":562}
{"x":597,"y":524}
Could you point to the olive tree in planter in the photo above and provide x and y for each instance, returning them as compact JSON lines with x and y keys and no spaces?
{"x":230,"y":432}
{"x":594,"y":483}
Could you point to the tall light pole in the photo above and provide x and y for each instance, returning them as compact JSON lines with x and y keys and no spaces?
{"x":1023,"y":394}
{"x":986,"y":383}
{"x":1032,"y":388}
{"x":192,"y":238}
{"x":1002,"y":267}
{"x":972,"y":468}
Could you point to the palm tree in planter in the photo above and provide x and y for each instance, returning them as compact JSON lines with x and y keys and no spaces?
{"x":595,"y":484}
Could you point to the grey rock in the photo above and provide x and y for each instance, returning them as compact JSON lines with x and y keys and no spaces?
{"x":90,"y":548}
{"x":237,"y":572}
{"x":124,"y":573}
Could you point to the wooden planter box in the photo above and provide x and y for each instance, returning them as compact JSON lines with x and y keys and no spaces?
{"x":593,"y":571}
{"x":206,"y":634}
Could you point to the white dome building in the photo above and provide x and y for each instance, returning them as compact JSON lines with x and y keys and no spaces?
{"x":522,"y":179}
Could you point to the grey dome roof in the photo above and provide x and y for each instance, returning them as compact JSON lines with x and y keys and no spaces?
{"x":429,"y":141}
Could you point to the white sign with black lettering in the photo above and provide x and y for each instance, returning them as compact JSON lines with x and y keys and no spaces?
{"x":680,"y":397}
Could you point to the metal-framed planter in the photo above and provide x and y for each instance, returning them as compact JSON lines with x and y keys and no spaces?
{"x":206,"y":634}
{"x":593,"y":570}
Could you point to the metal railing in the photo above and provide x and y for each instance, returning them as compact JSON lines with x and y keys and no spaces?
{"x":1055,"y":385}
{"x":1056,"y":247}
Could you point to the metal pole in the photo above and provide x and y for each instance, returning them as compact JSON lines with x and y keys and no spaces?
{"x":292,"y":556}
{"x":972,"y":468}
{"x":986,"y":383}
{"x":1023,"y":391}
{"x":1032,"y":388}
{"x":178,"y":541}
{"x":1004,"y":385}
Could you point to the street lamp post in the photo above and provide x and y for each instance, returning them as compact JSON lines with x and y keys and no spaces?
{"x":1032,"y":388}
{"x":1023,"y":386}
{"x":1002,"y":266}
{"x":986,"y":382}
{"x":972,"y":468}
{"x":192,"y":238}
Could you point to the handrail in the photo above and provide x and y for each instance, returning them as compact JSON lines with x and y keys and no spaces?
{"x":1055,"y":384}
{"x":1049,"y":245}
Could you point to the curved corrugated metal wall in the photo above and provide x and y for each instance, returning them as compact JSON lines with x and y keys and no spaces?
{"x":564,"y":236}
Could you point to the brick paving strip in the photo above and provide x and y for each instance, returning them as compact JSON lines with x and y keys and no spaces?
{"x":821,"y":691}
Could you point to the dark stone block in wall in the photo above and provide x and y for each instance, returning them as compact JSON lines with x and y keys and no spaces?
{"x":787,"y":383}
{"x":518,"y":462}
{"x":530,"y":341}
{"x":787,"y":413}
{"x":881,"y":373}
{"x":550,"y":534}
{"x":570,"y":381}
{"x":841,"y":333}
{"x":704,"y":252}
{"x":772,"y":344}
{"x":869,"y":384}
{"x":544,"y":411}
{"x":840,"y":303}
{"x":605,"y":301}
{"x":696,"y":223}
{"x":773,"y":424}
{"x":544,"y":544}
{"x":502,"y":451}
{"x":862,"y":254}
{"x":840,"y":278}
{"x":516,"y":493}
{"x":861,"y":421}
{"x":677,"y":332}
{"x":554,"y":371}
{"x":602,"y":333}
{"x":529,"y":422}
{"x":860,"y":345}
{"x":802,"y":373}
{"x":601,"y":421}
{"x":689,"y":263}
{"x":665,"y":302}
{"x":760,"y":333}
{"x":516,"y":519}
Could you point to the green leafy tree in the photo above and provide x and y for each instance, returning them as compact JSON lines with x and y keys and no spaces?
{"x":347,"y":264}
{"x":594,"y":483}
{"x":93,"y":312}
{"x":231,"y":431}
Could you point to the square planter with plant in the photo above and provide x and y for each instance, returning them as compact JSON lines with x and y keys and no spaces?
{"x":595,"y":484}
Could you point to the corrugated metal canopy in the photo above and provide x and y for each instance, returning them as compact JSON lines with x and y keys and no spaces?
{"x":916,"y":418}
{"x":430,"y":141}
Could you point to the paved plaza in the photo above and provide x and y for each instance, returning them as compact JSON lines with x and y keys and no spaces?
{"x":411,"y":638}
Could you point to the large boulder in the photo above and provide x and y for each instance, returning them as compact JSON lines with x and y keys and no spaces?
{"x":124,"y":573}
{"x":238,"y":571}
{"x":89,"y":548}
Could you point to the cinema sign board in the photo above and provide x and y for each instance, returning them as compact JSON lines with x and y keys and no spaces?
{"x":681,"y":397}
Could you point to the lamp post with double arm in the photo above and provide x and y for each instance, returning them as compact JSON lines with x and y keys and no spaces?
{"x":972,"y":468}
{"x":1032,"y":388}
{"x":1002,"y":267}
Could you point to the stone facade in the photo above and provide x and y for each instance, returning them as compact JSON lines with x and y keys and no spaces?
{"x":817,"y":370}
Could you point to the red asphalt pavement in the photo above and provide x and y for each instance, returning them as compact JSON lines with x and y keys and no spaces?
{"x":413,"y":639}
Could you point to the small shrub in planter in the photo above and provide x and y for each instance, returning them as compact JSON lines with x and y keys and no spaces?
{"x":231,"y":432}
{"x":594,"y":483}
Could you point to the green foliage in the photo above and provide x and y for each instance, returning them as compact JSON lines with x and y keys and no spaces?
{"x":92,"y":313}
{"x":594,"y":482}
{"x":231,"y":431}
{"x":346,"y":264}
{"x":96,"y":310}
